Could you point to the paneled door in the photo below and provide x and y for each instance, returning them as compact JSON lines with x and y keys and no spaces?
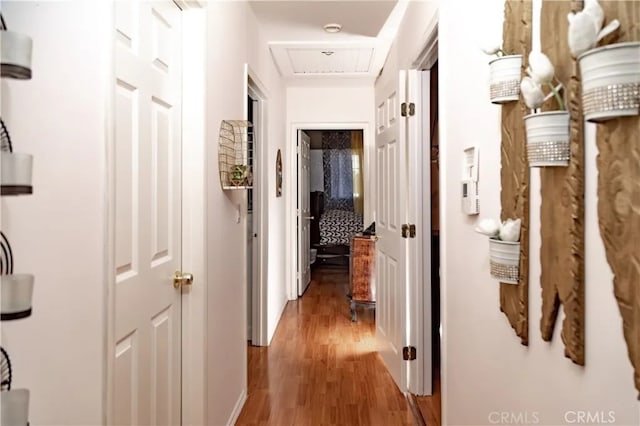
{"x":304,"y":211}
{"x":146,"y":364}
{"x":390,"y":210}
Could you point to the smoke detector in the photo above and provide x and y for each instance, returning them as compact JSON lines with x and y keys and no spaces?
{"x":333,"y":28}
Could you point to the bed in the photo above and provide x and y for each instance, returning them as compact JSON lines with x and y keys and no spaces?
{"x":332,"y":230}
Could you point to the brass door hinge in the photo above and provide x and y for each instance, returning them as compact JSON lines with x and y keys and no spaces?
{"x":408,"y":353}
{"x":408,"y":230}
{"x":407,"y":109}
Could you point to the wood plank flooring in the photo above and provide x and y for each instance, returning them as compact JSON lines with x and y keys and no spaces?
{"x":322,"y":369}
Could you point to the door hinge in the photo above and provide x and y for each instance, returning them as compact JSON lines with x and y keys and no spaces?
{"x":408,"y":353}
{"x":408,"y":230}
{"x":407,"y":109}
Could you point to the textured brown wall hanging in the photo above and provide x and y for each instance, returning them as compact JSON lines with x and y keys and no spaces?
{"x":618,"y":162}
{"x":514,"y":173}
{"x":562,"y":188}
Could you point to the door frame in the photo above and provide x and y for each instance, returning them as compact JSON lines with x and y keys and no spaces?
{"x":292,"y":189}
{"x":420,"y":372}
{"x":259,"y":300}
{"x":194,"y":190}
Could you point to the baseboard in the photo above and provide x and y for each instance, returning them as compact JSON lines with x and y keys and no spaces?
{"x":238,"y":408}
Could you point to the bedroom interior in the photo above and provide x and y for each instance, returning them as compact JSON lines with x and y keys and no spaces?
{"x":336,"y":208}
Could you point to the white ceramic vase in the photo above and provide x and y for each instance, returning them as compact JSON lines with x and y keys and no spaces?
{"x":16,"y":292}
{"x":611,"y":81}
{"x":504,"y":79}
{"x":14,"y":406}
{"x":15,"y":174}
{"x":548,"y":139}
{"x":504,"y":258}
{"x":15,"y":55}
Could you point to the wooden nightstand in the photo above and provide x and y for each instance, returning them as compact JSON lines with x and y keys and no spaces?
{"x":362,"y":270}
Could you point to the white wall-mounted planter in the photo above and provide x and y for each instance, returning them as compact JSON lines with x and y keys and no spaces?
{"x":15,"y":55}
{"x":504,"y":258}
{"x":16,"y":291}
{"x":548,"y":139}
{"x":15,"y":174}
{"x":15,"y":407}
{"x":504,"y":79}
{"x":235,"y":154}
{"x":611,"y":81}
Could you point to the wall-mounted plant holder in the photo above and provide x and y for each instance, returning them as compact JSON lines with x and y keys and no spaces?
{"x":15,"y":53}
{"x":504,"y":79}
{"x":548,"y":139}
{"x":235,"y":154}
{"x":15,"y":175}
{"x":504,"y":259}
{"x":16,"y":292}
{"x":611,"y":81}
{"x":15,"y":407}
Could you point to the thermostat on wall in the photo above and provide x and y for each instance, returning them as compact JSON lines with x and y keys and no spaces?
{"x":470,"y":199}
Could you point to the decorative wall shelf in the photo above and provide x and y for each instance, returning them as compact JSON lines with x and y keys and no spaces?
{"x":235,"y":154}
{"x":14,"y":409}
{"x":15,"y":53}
{"x":16,"y":290}
{"x":16,"y":168}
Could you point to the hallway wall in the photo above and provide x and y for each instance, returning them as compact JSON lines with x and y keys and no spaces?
{"x":234,"y":39}
{"x":486,"y":369}
{"x":58,"y":233}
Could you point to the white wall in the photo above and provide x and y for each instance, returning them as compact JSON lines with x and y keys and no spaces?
{"x":485,"y":369}
{"x":312,"y":107}
{"x":233,"y":40}
{"x":352,"y":104}
{"x":58,"y":233}
{"x":261,"y":63}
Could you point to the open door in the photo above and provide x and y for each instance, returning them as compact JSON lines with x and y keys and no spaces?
{"x":391,"y":249}
{"x":303,"y":211}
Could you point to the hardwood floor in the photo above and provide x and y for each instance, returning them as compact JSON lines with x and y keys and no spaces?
{"x":322,"y":369}
{"x":430,"y":406}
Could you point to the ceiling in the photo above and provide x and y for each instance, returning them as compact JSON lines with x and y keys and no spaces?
{"x":303,"y":50}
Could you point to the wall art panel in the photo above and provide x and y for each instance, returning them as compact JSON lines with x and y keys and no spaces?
{"x":562,"y":190}
{"x":514,"y":299}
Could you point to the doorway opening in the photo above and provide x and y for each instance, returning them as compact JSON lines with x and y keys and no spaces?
{"x":256,"y":214}
{"x":430,"y":406}
{"x":330,"y":210}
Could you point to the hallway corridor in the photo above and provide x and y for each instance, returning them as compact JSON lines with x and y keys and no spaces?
{"x":322,"y":369}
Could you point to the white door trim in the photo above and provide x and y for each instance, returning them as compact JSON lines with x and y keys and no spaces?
{"x":291,"y":175}
{"x":194,"y":245}
{"x":259,"y":327}
{"x":194,"y":215}
{"x":421,"y":372}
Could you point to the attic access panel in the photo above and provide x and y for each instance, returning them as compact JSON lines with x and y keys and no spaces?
{"x":328,"y":60}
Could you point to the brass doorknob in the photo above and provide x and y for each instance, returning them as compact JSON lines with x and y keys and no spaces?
{"x":182,"y":278}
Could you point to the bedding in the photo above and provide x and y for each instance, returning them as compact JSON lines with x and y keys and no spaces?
{"x":337,"y":227}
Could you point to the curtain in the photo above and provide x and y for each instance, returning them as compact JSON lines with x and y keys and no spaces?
{"x":337,"y":162}
{"x":357,"y":151}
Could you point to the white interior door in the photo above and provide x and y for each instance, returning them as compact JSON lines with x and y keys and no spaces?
{"x":147,"y":352}
{"x":391,"y":247}
{"x":304,"y":246}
